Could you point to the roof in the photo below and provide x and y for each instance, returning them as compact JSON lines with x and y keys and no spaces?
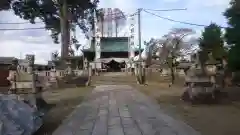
{"x":9,"y":61}
{"x":184,"y":65}
{"x":110,"y":44}
{"x":212,"y":62}
{"x":107,"y":60}
{"x":6,"y":60}
{"x":23,"y":62}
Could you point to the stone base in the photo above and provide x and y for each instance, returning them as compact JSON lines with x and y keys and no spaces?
{"x":141,"y":79}
{"x":201,"y":96}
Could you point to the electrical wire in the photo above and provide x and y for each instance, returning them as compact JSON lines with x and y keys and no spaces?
{"x":37,"y":28}
{"x":172,"y":20}
{"x":18,"y":22}
{"x":177,"y":9}
{"x":114,"y":14}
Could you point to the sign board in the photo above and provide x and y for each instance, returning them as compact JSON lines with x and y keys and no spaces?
{"x":97,"y":38}
{"x":131,"y":39}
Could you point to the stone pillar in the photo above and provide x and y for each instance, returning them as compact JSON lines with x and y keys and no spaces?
{"x":89,"y":74}
{"x":135,"y":68}
{"x":136,"y":72}
{"x":85,"y":67}
{"x":76,"y":64}
{"x":13,"y":77}
{"x":53,"y":76}
{"x":125,"y":68}
{"x":35,"y":97}
{"x":85,"y":64}
{"x":96,"y":68}
{"x":140,"y":74}
{"x":69,"y":68}
{"x":30,"y":59}
{"x":143,"y":72}
{"x":132,"y":67}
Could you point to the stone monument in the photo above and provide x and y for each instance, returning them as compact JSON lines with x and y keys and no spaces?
{"x":27,"y":85}
{"x":88,"y":69}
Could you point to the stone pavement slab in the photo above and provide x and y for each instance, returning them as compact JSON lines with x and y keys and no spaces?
{"x":121,"y":110}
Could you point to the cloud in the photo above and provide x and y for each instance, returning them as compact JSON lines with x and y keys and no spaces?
{"x":18,"y":43}
{"x":39,"y":42}
{"x":19,"y":49}
{"x":207,"y":3}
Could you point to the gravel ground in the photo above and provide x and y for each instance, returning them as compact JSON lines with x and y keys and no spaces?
{"x":61,"y":102}
{"x":215,"y":119}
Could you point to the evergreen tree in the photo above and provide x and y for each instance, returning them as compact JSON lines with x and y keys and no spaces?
{"x":212,"y":42}
{"x":233,"y":34}
{"x":49,"y":11}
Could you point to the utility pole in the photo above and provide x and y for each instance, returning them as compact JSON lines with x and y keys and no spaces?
{"x":139,"y":33}
{"x":65,"y":32}
{"x":94,"y":35}
{"x":116,"y":27}
{"x":140,"y":75}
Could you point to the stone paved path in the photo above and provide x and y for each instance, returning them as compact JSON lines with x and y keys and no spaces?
{"x":121,"y":110}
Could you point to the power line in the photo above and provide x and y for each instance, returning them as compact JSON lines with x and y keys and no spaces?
{"x":133,"y":14}
{"x":38,"y":28}
{"x":177,"y":9}
{"x":113,"y":14}
{"x":18,"y":22}
{"x":172,"y":20}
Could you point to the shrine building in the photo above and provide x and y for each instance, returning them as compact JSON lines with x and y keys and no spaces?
{"x":114,"y":53}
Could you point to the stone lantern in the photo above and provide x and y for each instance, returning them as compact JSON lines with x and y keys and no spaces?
{"x":86,"y":64}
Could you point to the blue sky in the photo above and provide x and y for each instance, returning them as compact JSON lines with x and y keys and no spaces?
{"x":38,"y":42}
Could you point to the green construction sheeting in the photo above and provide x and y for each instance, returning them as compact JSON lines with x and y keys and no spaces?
{"x":111,"y":44}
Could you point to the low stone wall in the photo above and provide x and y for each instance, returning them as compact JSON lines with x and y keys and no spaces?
{"x":59,"y":73}
{"x":45,"y":78}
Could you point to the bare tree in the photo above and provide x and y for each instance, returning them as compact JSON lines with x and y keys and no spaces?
{"x":152,"y":47}
{"x":176,"y":46}
{"x":172,"y":46}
